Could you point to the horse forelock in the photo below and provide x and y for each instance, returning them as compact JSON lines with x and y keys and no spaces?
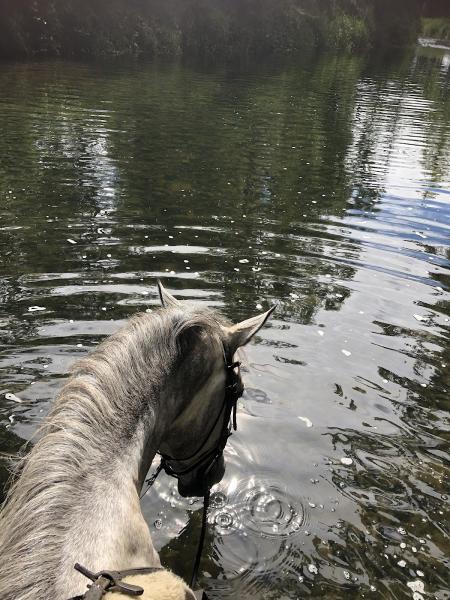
{"x":103,"y":404}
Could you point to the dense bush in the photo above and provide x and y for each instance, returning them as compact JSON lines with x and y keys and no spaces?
{"x":436,"y":28}
{"x":207,"y":27}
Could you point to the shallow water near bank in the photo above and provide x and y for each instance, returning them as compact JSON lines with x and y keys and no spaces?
{"x":324,"y":186}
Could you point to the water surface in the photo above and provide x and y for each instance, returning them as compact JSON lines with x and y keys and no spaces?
{"x":324,"y":186}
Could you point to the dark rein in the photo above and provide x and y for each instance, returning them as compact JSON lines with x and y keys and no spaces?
{"x":105,"y":581}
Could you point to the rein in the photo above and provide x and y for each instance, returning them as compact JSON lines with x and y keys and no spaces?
{"x":106,"y":581}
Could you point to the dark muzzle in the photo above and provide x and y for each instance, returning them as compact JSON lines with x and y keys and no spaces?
{"x":198,"y":481}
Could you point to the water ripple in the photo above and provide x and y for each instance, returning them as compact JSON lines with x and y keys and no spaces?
{"x":322,"y":186}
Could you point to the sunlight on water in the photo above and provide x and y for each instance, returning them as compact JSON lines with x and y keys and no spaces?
{"x":324,"y":186}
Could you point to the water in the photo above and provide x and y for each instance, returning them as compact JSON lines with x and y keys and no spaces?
{"x":324,"y":186}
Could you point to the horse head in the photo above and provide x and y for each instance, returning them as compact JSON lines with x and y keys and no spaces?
{"x":207,"y":384}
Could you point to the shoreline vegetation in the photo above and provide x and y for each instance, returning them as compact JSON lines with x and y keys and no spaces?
{"x":437,"y":29}
{"x":210,"y":28}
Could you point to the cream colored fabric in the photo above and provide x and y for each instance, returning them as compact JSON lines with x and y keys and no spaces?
{"x":162,"y":585}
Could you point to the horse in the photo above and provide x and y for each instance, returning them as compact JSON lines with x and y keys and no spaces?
{"x":155,"y":386}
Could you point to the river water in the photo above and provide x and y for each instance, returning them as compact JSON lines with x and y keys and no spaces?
{"x":324,"y":186}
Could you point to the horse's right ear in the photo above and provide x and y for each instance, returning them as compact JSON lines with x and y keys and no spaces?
{"x":240,"y":334}
{"x":167,"y":300}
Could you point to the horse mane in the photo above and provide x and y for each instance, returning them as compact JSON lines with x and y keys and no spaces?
{"x":99,"y":409}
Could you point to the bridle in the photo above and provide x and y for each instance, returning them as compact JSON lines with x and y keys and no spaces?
{"x":233,"y":391}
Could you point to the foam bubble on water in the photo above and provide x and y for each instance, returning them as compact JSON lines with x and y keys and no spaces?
{"x":13,"y":397}
{"x":307,"y":421}
{"x":402,"y":563}
{"x":218,"y":500}
{"x":416,"y":586}
{"x":224,"y":521}
{"x":312,"y":569}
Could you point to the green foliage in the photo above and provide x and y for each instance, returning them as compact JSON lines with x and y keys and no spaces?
{"x":436,"y":28}
{"x":205,"y":27}
{"x":347,"y":32}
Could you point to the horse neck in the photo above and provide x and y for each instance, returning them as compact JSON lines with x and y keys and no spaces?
{"x":77,"y":499}
{"x":108,"y":530}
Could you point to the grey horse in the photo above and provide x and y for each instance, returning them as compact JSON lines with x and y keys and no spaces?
{"x":155,"y":385}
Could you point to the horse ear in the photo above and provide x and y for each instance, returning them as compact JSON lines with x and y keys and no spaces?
{"x":240,"y":334}
{"x":167,"y":300}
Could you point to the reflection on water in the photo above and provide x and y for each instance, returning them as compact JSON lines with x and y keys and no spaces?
{"x":325,"y":186}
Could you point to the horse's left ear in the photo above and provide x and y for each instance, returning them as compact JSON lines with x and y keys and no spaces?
{"x":240,"y":334}
{"x":167,"y":300}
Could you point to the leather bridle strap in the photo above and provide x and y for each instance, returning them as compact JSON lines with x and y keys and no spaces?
{"x":112,"y":581}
